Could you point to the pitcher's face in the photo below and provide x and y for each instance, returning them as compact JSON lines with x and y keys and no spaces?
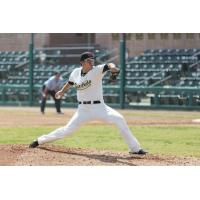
{"x":88,"y":63}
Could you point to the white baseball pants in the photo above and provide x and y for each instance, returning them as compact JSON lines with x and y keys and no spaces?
{"x":88,"y":112}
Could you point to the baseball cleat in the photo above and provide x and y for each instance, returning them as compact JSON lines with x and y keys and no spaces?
{"x":34,"y":144}
{"x":140,"y":152}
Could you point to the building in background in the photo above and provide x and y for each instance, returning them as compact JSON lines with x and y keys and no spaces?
{"x":136,"y":42}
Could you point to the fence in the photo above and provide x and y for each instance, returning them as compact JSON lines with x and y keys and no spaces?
{"x":135,"y":97}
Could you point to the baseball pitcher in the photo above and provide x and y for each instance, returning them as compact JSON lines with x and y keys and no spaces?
{"x":87,"y":79}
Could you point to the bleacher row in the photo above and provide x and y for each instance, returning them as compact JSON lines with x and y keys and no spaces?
{"x":186,"y":51}
{"x":166,"y":56}
{"x":10,"y":58}
{"x":40,"y":73}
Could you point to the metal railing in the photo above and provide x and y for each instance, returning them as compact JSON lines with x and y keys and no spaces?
{"x":187,"y":96}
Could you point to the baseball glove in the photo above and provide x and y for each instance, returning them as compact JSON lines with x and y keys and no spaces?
{"x":113,"y":77}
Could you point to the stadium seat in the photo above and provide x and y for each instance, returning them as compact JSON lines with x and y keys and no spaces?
{"x":128,"y":66}
{"x":145,"y":66}
{"x":153,"y":66}
{"x":128,"y":74}
{"x":36,"y":66}
{"x":10,"y":81}
{"x":25,"y":81}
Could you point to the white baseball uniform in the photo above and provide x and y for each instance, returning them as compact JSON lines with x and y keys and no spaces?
{"x":92,"y":107}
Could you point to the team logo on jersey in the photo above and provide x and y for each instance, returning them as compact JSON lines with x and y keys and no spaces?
{"x":83,"y":85}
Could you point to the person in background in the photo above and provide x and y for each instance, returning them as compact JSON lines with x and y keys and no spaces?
{"x":50,"y":87}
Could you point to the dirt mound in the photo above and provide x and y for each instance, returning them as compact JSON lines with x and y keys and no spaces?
{"x":52,"y":155}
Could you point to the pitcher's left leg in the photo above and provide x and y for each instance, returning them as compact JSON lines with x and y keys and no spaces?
{"x":113,"y":116}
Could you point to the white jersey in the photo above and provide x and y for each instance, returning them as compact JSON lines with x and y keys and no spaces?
{"x":89,"y":86}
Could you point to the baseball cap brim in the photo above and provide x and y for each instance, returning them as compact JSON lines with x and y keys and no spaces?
{"x":86,"y":55}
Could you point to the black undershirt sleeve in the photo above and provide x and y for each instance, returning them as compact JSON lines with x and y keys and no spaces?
{"x":71,"y":83}
{"x":105,"y":68}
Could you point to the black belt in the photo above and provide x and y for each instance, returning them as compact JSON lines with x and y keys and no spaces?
{"x":89,"y":102}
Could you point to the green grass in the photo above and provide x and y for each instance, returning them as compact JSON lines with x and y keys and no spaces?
{"x":168,"y":140}
{"x":163,"y":114}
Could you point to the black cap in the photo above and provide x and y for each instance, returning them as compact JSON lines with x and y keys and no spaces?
{"x":86,"y":55}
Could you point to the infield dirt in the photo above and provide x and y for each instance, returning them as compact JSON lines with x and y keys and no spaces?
{"x":54,"y":155}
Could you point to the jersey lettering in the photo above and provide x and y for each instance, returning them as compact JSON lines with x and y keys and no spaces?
{"x":83,"y":85}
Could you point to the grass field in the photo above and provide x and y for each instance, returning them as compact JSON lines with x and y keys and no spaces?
{"x":159,"y":132}
{"x":168,"y":140}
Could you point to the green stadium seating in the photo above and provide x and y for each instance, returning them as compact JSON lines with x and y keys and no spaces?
{"x":164,"y":64}
{"x":159,"y":67}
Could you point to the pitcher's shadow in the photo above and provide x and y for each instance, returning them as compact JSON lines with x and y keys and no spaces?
{"x":103,"y":158}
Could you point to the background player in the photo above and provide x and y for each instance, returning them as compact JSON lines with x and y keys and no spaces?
{"x":51,"y":86}
{"x":88,"y":81}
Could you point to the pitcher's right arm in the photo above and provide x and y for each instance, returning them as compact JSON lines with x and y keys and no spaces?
{"x":65,"y":88}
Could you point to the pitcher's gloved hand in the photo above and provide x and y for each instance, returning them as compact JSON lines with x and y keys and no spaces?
{"x":113,"y":76}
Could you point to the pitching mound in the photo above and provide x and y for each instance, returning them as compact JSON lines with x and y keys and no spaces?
{"x":52,"y":155}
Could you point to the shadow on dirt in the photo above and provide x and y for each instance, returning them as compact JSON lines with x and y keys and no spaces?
{"x":117,"y":159}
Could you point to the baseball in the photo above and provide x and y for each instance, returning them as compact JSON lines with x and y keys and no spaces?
{"x":58,"y":96}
